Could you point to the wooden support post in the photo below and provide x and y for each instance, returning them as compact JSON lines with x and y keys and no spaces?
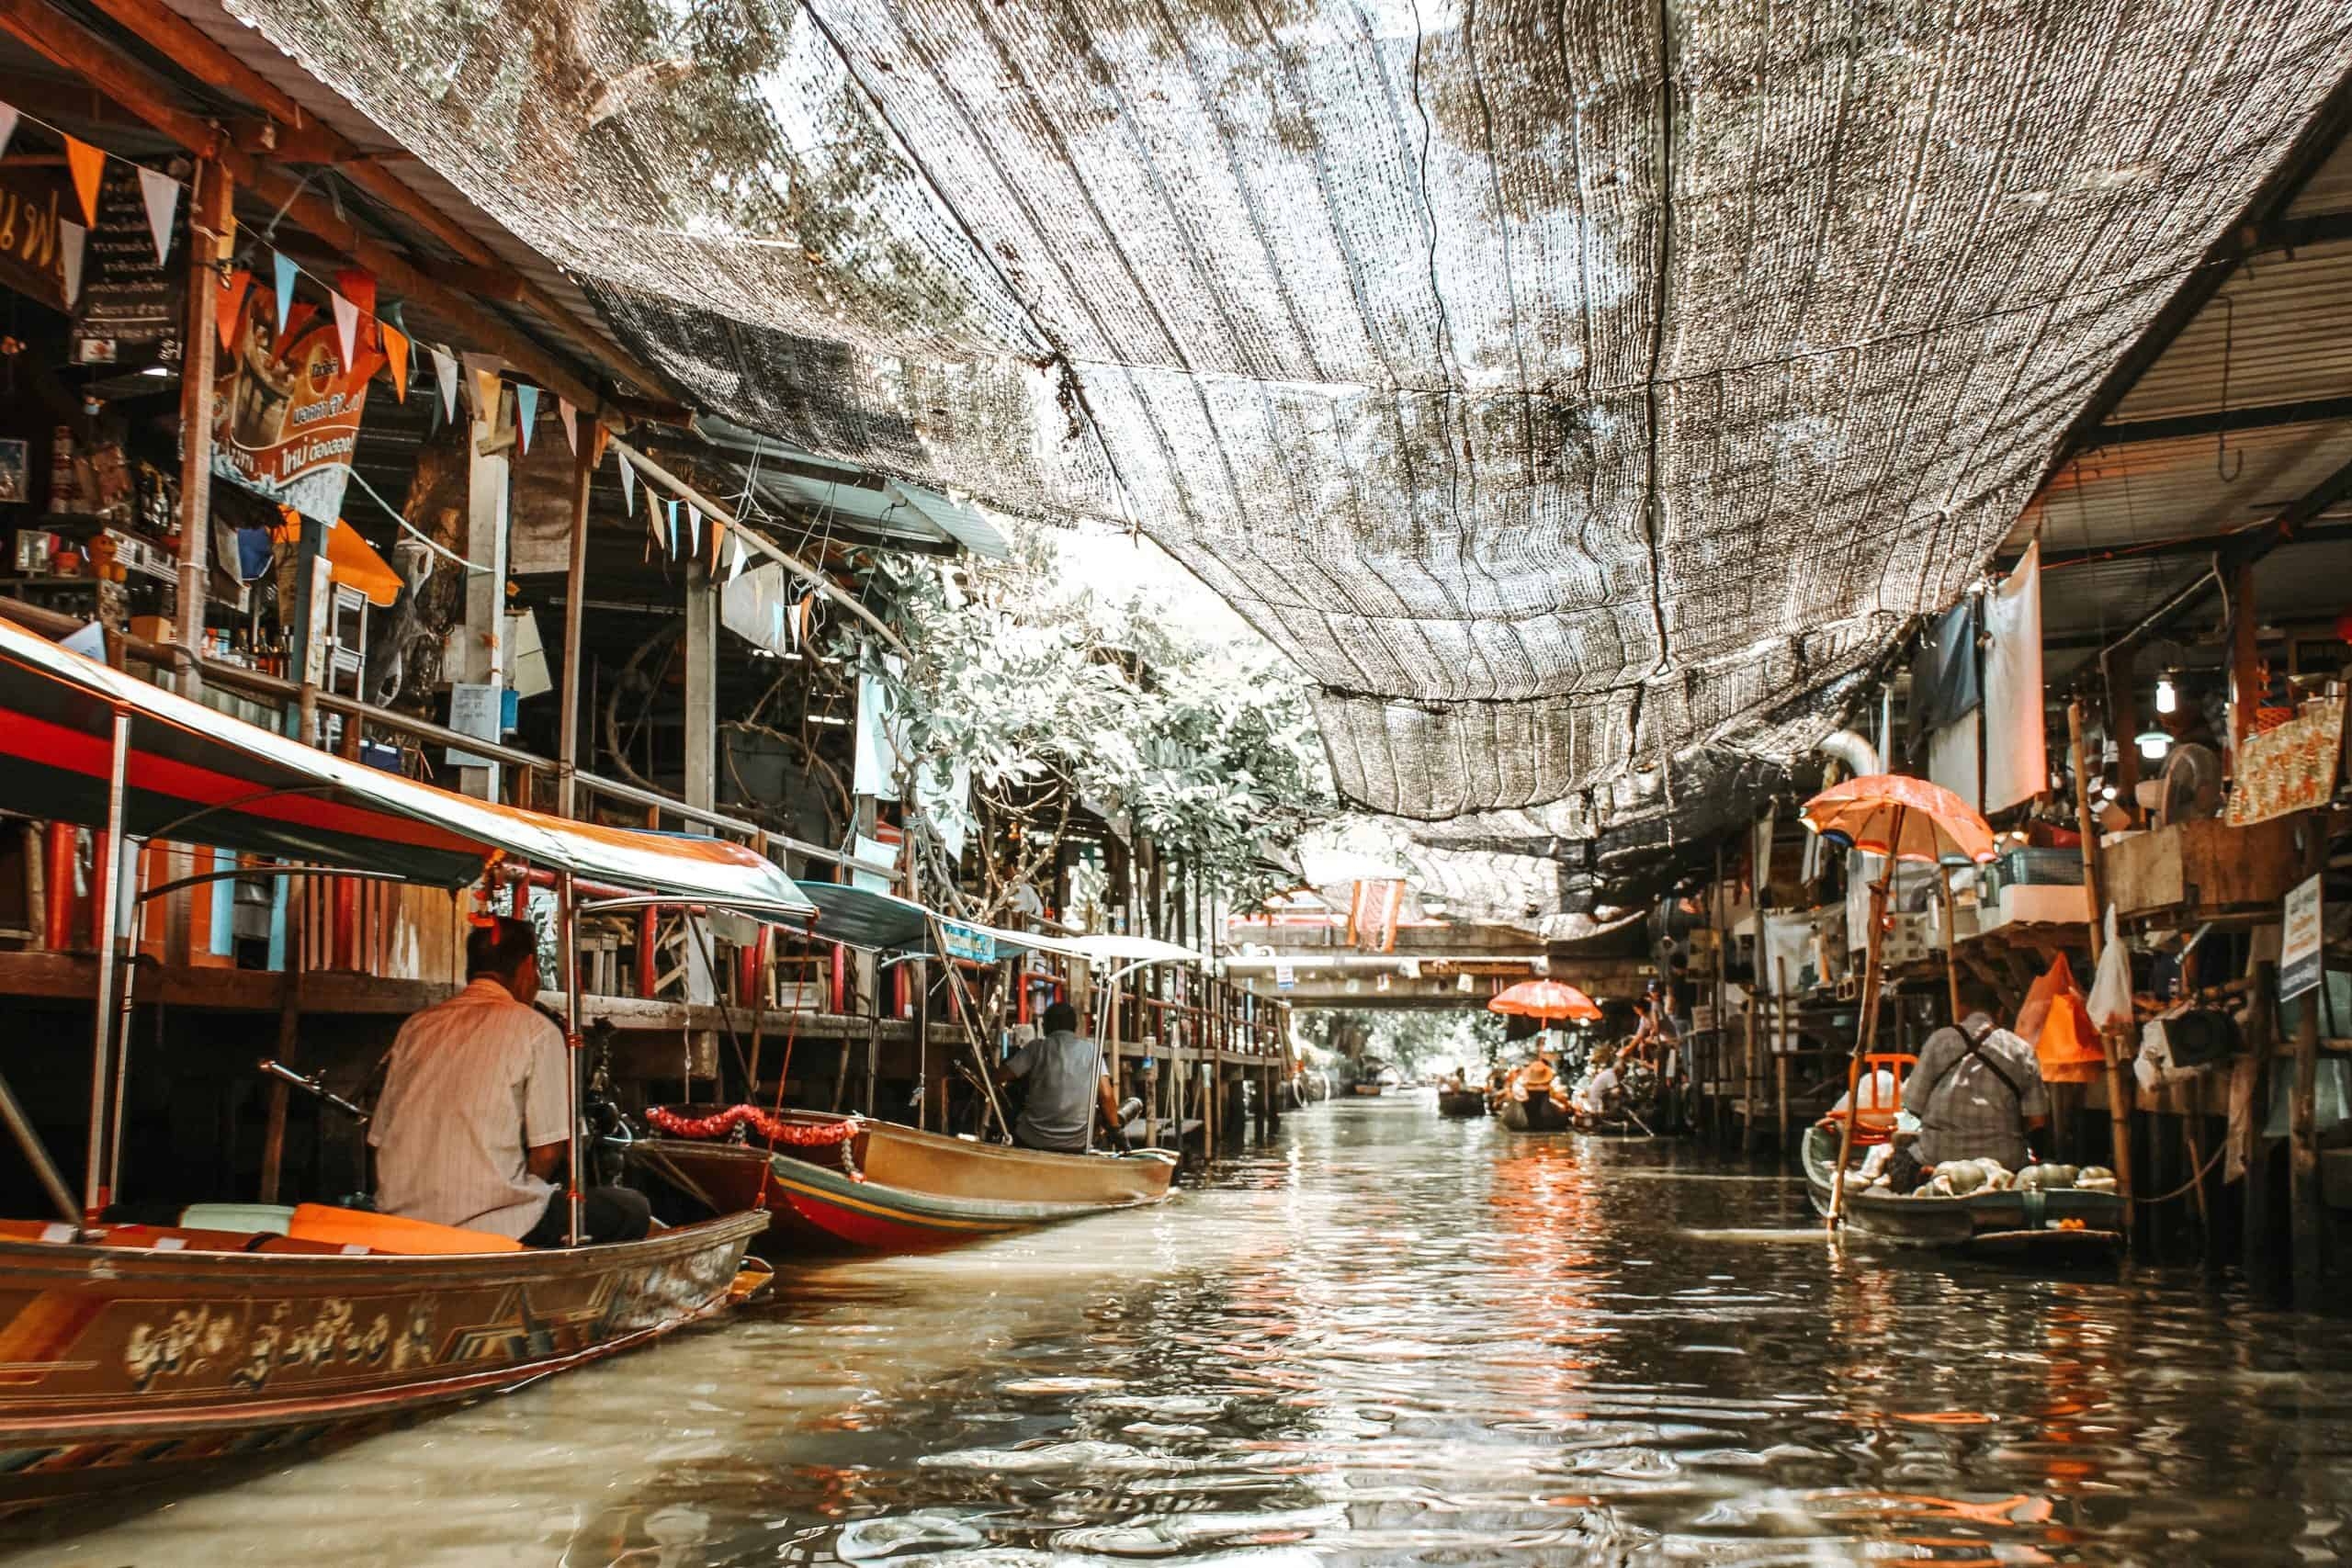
{"x":1780,"y":1037}
{"x":1748,"y":1079}
{"x":2119,"y":1082}
{"x":701,"y":737}
{"x":575,"y":603}
{"x":2245,"y":659}
{"x":482,"y":641}
{"x":289,"y":1027}
{"x":2306,"y":1218}
{"x":212,"y":229}
{"x":2259,"y":1259}
{"x":2120,"y":670}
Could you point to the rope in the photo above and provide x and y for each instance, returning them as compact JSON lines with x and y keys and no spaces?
{"x":2188,"y":1185}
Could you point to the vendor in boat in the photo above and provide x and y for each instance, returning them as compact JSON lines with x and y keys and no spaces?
{"x":471,"y":1129}
{"x":1976,"y":1091}
{"x":1068,"y":1081}
{"x":1539,"y":1077}
{"x":1600,"y":1094}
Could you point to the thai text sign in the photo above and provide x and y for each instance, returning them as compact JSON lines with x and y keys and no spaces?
{"x":2300,"y":944}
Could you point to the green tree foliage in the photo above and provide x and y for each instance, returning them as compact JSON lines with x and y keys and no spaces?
{"x":1409,"y":1041}
{"x":1056,"y":695}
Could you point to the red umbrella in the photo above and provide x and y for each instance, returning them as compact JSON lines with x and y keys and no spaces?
{"x":1545,"y":999}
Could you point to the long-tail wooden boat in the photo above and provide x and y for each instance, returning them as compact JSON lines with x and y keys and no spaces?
{"x":1463,"y":1102}
{"x":129,"y":1353}
{"x":1536,"y":1113}
{"x":136,"y":1354}
{"x":840,"y":1181}
{"x":1368,"y":1086}
{"x":2050,"y":1227}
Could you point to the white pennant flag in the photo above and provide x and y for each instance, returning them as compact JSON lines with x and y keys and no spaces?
{"x":444,"y":371}
{"x":346,"y":323}
{"x":7,"y":127}
{"x":162,"y":193}
{"x":571,"y":417}
{"x":735,"y":567}
{"x":628,"y":484}
{"x":694,"y":530}
{"x":70,"y":236}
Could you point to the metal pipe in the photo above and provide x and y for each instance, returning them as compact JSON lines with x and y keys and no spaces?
{"x":109,"y":897}
{"x":124,"y":917}
{"x":1851,"y":748}
{"x":567,"y":941}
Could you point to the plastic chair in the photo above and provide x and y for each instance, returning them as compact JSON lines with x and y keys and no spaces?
{"x":1874,"y":1108}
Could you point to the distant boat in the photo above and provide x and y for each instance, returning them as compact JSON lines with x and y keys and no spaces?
{"x":1368,"y":1086}
{"x":836,"y":1181}
{"x":1536,"y":1113}
{"x":1461,"y":1102}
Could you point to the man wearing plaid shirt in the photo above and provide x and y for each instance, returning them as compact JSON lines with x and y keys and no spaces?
{"x":1976,"y":1091}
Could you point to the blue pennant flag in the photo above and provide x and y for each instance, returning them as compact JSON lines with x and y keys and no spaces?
{"x":527,"y":413}
{"x":285,"y":269}
{"x":674,"y":528}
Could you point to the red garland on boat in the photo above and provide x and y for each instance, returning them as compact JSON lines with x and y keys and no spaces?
{"x":774,"y":1129}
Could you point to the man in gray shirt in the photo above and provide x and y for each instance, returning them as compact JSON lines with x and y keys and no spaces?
{"x":1977,"y":1089}
{"x":1067,"y":1080}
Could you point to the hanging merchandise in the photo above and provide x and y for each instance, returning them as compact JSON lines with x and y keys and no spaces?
{"x":2110,"y":999}
{"x":288,"y":404}
{"x":2017,"y":757}
{"x":133,"y":310}
{"x":2066,"y":1041}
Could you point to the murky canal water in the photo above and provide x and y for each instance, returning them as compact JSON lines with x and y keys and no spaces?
{"x":1387,"y":1340}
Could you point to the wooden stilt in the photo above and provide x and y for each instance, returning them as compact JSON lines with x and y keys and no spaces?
{"x":2306,"y":1219}
{"x":2256,"y":1254}
{"x":2119,"y":1082}
{"x":1874,"y":942}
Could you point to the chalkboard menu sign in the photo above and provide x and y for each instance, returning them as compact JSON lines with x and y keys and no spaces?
{"x":133,"y":310}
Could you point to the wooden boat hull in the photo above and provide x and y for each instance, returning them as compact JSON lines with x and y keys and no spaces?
{"x":1368,"y":1088}
{"x":2063,"y":1226}
{"x":1461,"y":1103}
{"x":1536,"y":1113}
{"x":907,"y":1191}
{"x":123,"y":1367}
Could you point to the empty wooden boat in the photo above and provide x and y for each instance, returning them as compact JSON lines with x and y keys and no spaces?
{"x":844,"y":1181}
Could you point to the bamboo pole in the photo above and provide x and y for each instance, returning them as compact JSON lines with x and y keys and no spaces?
{"x":1867,"y":1030}
{"x":2307,"y":1219}
{"x":2119,"y":1091}
{"x":109,"y":919}
{"x":1951,"y":941}
{"x":575,"y":603}
{"x":1781,"y":1049}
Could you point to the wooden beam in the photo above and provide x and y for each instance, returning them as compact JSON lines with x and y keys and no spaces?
{"x":213,"y":233}
{"x":57,"y":36}
{"x":2261,"y":416}
{"x":575,"y":605}
{"x":303,"y":138}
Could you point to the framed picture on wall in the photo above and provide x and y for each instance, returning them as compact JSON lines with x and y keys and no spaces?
{"x":14,"y":485}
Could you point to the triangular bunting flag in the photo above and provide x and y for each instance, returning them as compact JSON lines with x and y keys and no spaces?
{"x":628,"y":484}
{"x":232,"y":301}
{"x":346,"y":325}
{"x":735,"y":566}
{"x":652,"y":515}
{"x":527,"y":413}
{"x":358,"y":285}
{"x":485,"y":390}
{"x":694,"y":530}
{"x":598,"y":440}
{"x":674,"y":528}
{"x":70,"y":236}
{"x":89,"y":166}
{"x":396,"y":358}
{"x":444,"y":371}
{"x":571,"y":417}
{"x":7,"y":128}
{"x":161,"y":194}
{"x":283,"y":270}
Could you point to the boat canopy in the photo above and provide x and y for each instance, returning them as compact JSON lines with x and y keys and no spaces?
{"x":883,"y":922}
{"x":194,"y":772}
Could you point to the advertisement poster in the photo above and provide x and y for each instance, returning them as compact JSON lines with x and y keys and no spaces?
{"x":132,"y":308}
{"x":287,"y":407}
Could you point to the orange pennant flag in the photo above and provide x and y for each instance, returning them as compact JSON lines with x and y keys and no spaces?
{"x":232,"y":301}
{"x":486,"y":396}
{"x":396,"y":356}
{"x":89,"y":166}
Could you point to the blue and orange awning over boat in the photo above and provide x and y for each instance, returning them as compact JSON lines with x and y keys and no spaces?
{"x":193,"y":771}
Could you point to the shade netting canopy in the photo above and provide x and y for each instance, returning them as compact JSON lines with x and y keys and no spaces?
{"x":1566,"y":389}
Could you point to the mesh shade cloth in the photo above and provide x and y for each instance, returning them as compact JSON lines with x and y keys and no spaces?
{"x":1565,"y":388}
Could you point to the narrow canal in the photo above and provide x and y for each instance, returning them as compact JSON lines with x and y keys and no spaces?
{"x":1384,"y":1339}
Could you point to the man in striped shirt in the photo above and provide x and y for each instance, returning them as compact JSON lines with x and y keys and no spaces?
{"x":471,"y":1128}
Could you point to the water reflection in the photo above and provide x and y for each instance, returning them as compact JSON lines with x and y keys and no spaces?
{"x":1389,"y":1338}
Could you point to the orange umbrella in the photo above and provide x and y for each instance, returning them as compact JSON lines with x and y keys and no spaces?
{"x":1545,"y":999}
{"x":1870,"y":813}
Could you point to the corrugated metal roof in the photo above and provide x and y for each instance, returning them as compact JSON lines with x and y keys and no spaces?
{"x":2285,"y":323}
{"x":2154,"y":490}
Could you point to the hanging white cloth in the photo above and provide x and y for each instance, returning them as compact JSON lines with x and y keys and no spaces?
{"x":2017,"y":758}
